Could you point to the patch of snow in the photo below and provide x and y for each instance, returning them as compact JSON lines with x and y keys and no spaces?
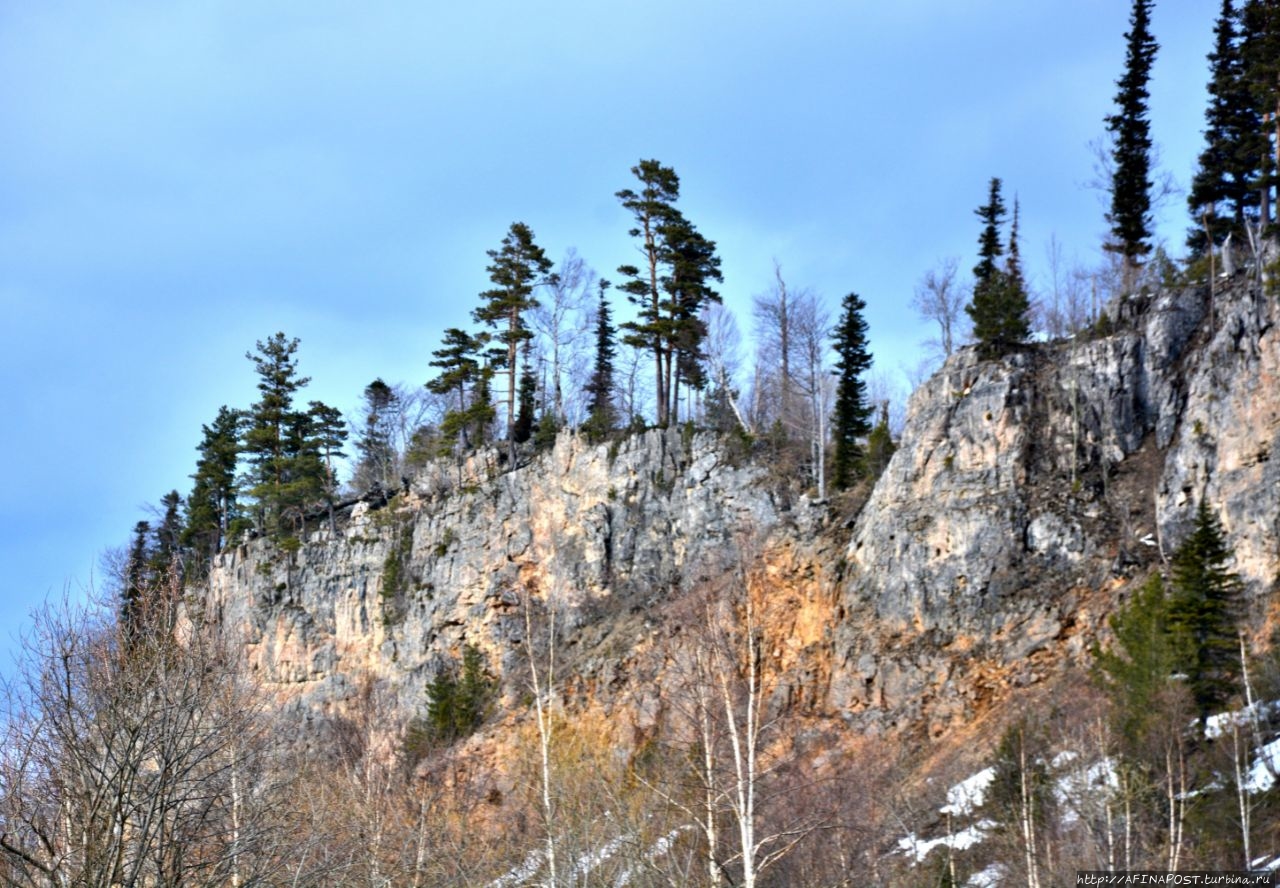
{"x":987,"y":878}
{"x":966,"y":838}
{"x":521,"y":874}
{"x":969,"y":794}
{"x":1216,"y":726}
{"x":1262,"y":774}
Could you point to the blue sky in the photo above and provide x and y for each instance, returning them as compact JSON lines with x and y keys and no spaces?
{"x":180,"y":179}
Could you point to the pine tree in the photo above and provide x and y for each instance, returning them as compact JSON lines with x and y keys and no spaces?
{"x":880,"y":446}
{"x":516,"y":270}
{"x":1225,"y":185}
{"x":327,"y":433}
{"x":465,"y":371}
{"x":602,"y":416}
{"x":1204,"y":613}
{"x":1130,"y":216}
{"x":999,"y":307}
{"x":851,"y":422}
{"x":671,"y":289}
{"x":270,"y":438}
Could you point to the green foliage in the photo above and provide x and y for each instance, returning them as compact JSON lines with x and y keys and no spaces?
{"x":465,"y":372}
{"x":1236,"y":152}
{"x":1000,"y":306}
{"x":1205,"y":610}
{"x":459,"y":698}
{"x":289,"y":451}
{"x":672,"y":287}
{"x":1130,"y":216}
{"x":1136,"y":671}
{"x":515,"y":269}
{"x":212,"y":506}
{"x":602,"y":416}
{"x":880,"y":446}
{"x":852,"y":415}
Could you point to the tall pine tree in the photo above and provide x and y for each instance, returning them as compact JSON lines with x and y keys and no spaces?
{"x":516,"y":270}
{"x":270,"y":439}
{"x":852,"y":420}
{"x":1130,"y":216}
{"x":671,"y":288}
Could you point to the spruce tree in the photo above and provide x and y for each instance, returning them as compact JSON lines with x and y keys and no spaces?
{"x":852,"y":420}
{"x":602,"y":417}
{"x":1260,"y":58}
{"x":1130,"y":216}
{"x":327,"y":433}
{"x":212,"y":503}
{"x":516,"y":270}
{"x":1225,"y":185}
{"x":526,"y":412}
{"x":999,"y":307}
{"x":1205,"y":610}
{"x":1136,"y":671}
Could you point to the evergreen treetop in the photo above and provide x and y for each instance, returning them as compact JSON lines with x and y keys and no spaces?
{"x":1130,"y":216}
{"x":851,"y":422}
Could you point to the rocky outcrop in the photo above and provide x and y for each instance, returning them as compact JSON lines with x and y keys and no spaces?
{"x":1026,"y":491}
{"x":1024,"y":495}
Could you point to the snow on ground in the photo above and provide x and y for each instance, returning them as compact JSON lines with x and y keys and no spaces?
{"x":969,"y":793}
{"x":986,"y":878}
{"x":1262,"y":774}
{"x":966,"y":838}
{"x":1217,"y":725}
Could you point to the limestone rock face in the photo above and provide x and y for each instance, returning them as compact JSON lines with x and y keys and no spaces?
{"x":1024,"y":495}
{"x":604,"y":531}
{"x":1024,"y":488}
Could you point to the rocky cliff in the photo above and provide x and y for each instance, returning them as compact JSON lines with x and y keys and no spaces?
{"x":1024,"y":494}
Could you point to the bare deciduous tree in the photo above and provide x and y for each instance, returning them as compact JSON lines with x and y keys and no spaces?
{"x":136,"y":754}
{"x":940,"y":298}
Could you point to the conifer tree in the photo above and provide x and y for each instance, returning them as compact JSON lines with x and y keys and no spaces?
{"x":672,"y":287}
{"x":1260,"y":57}
{"x":999,"y":306}
{"x":1130,"y":216}
{"x":1136,"y":671}
{"x":522,"y":430}
{"x":602,"y":417}
{"x":851,"y":422}
{"x":270,"y":438}
{"x":375,"y":445}
{"x":465,"y":371}
{"x":167,"y":553}
{"x":1225,"y":185}
{"x":327,"y":433}
{"x":516,"y":270}
{"x":1204,"y":613}
{"x":211,"y":505}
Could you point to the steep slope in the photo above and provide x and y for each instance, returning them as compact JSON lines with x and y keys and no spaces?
{"x":1023,"y":496}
